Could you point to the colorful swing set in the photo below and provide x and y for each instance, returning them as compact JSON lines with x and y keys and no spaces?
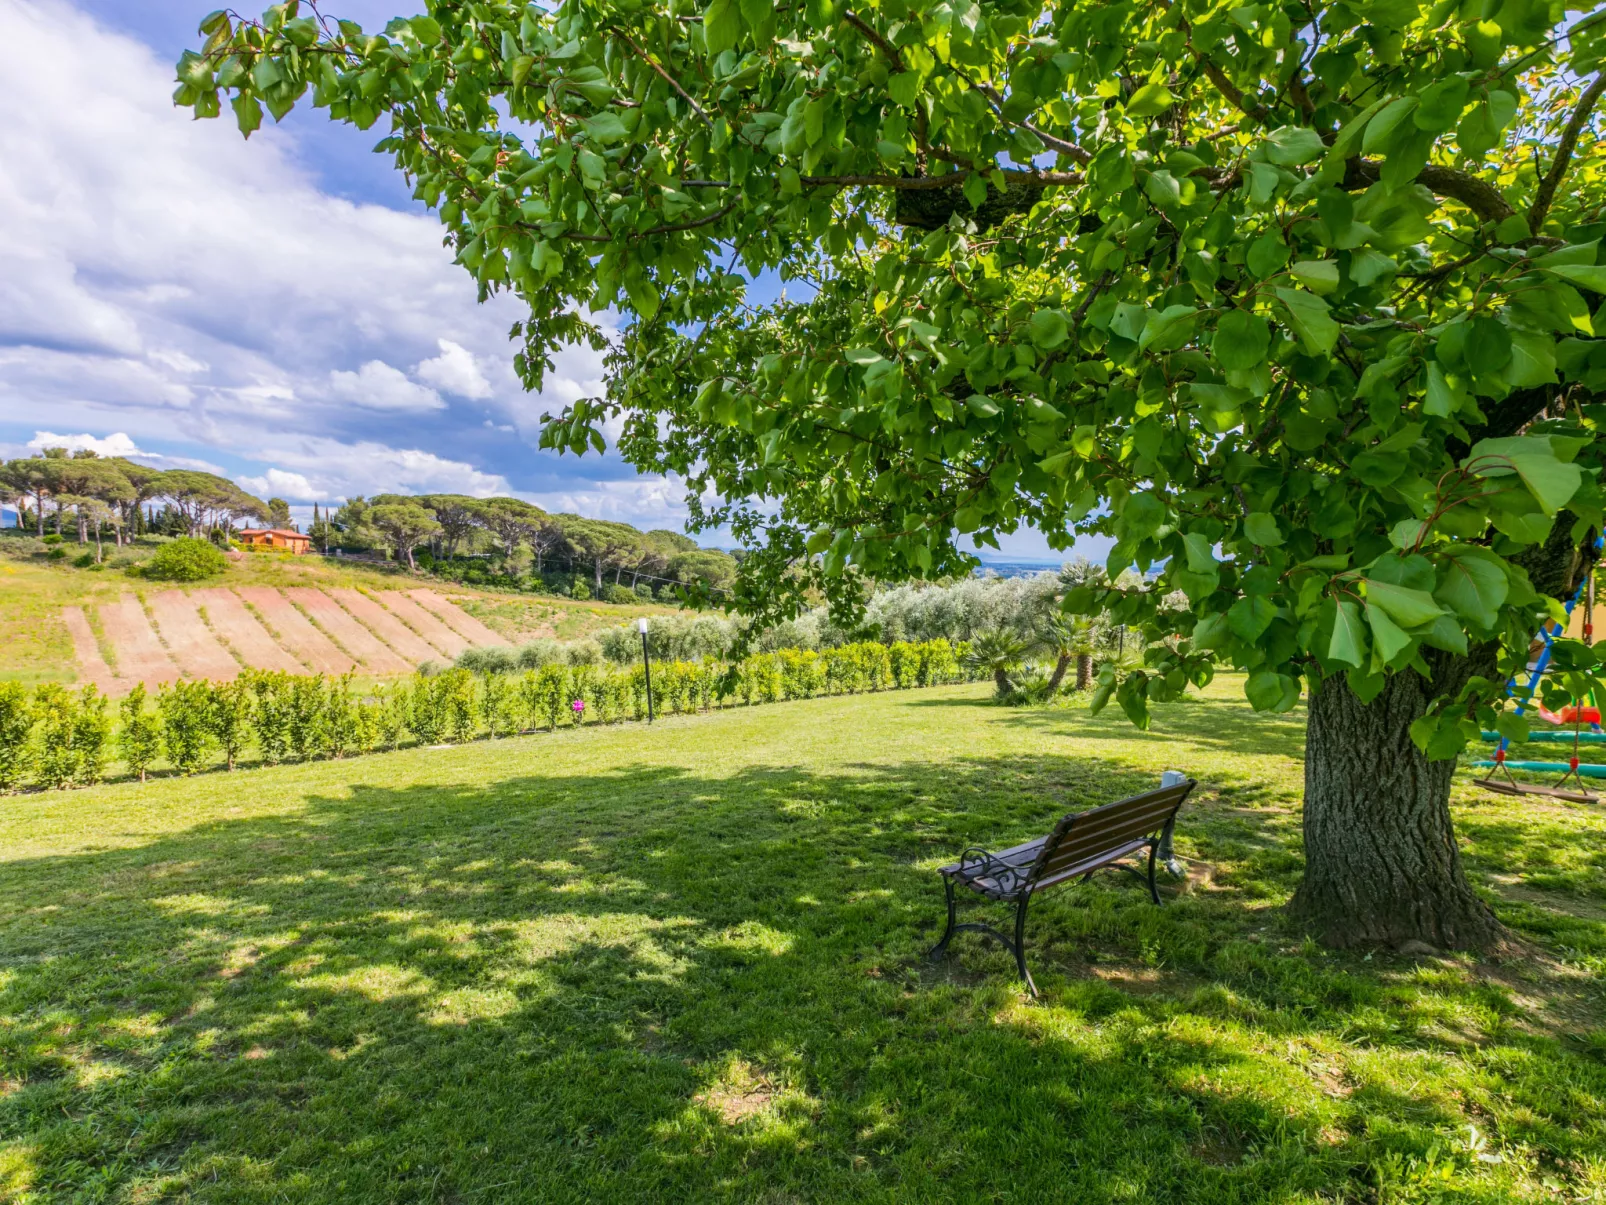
{"x":1570,"y":770}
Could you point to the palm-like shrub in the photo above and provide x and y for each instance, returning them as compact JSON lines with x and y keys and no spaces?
{"x":1000,"y":653}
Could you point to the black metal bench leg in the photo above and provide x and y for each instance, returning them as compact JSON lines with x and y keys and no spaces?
{"x":941,"y":947}
{"x":1154,"y":892}
{"x":1020,"y":944}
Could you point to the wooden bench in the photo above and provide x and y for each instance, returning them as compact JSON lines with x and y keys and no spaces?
{"x":1079,"y":845}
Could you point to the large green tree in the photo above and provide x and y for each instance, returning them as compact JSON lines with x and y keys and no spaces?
{"x":1294,"y":300}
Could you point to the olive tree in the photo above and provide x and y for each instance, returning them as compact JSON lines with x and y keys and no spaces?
{"x":1295,"y":300}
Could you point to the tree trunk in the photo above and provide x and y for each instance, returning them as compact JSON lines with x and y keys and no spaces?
{"x":1381,"y":862}
{"x":39,"y":511}
{"x":1084,"y":671}
{"x":1058,"y":675}
{"x":1001,"y":682}
{"x":599,"y":577}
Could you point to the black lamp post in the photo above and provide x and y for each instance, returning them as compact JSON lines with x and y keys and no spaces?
{"x":646,"y":662}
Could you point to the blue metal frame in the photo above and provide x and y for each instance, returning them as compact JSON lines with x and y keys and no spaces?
{"x":1548,"y":633}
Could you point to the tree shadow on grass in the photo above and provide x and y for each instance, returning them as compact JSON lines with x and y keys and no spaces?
{"x":655,"y":985}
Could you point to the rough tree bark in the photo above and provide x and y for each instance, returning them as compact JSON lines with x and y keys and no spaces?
{"x":1381,"y":862}
{"x":1058,"y":675}
{"x":1084,"y":671}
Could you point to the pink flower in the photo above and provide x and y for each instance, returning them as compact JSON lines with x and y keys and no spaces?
{"x":579,"y":705}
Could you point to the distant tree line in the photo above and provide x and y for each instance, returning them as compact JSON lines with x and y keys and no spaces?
{"x":521,"y":539}
{"x":96,"y":495}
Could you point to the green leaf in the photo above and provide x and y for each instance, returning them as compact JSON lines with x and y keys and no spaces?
{"x":1261,"y":528}
{"x":1168,"y":329}
{"x":247,"y":112}
{"x":1267,"y":690}
{"x":1292,"y":145}
{"x":1443,"y":398}
{"x":1411,"y":608}
{"x":1589,"y":276}
{"x":1380,"y":131}
{"x":1317,"y":275}
{"x":1533,"y":360}
{"x":981,"y":405}
{"x":1201,"y":558}
{"x":1049,"y":328}
{"x":903,"y":87}
{"x":1310,"y":319}
{"x":1241,"y":341}
{"x":1550,"y":481}
{"x":605,"y":127}
{"x":1266,"y":255}
{"x":1348,"y":645}
{"x":1405,"y":534}
{"x":1250,"y":617}
{"x":862,"y":355}
{"x":722,"y":25}
{"x":1387,"y":638}
{"x":1149,"y":100}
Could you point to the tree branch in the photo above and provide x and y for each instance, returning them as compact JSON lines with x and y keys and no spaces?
{"x":1477,"y":195}
{"x":1053,"y":143}
{"x":886,"y":47}
{"x":1564,"y":153}
{"x":669,"y":79}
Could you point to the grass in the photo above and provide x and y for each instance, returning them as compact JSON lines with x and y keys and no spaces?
{"x":35,"y":647}
{"x":683,"y":964}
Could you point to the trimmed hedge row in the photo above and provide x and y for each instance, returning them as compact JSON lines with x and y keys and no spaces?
{"x":56,"y":737}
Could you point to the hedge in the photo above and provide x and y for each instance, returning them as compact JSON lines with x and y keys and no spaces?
{"x":55,"y":737}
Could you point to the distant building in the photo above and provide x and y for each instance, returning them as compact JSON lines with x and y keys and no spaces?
{"x":294,"y":542}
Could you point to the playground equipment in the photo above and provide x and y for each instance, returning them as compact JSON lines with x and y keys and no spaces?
{"x":1574,"y":714}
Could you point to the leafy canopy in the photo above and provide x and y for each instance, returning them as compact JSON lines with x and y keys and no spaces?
{"x":1296,"y":300}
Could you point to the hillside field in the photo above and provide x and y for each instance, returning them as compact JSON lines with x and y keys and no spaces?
{"x":60,"y":623}
{"x":684,"y":962}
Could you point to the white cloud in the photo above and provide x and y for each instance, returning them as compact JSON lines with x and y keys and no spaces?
{"x":455,"y":371}
{"x":327,"y":469}
{"x":378,"y":386}
{"x":276,"y":483}
{"x":116,"y":444}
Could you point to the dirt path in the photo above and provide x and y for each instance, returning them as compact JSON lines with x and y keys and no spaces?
{"x":357,"y":640}
{"x":189,"y":641}
{"x":385,"y":625}
{"x":454,"y":617}
{"x":140,"y":655}
{"x":311,"y":645}
{"x":421,"y":621}
{"x":92,"y":666}
{"x":240,"y":630}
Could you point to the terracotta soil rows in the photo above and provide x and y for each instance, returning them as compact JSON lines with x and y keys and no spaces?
{"x":140,"y":656}
{"x":189,"y":641}
{"x":384,"y":625}
{"x":353,"y":637}
{"x":91,"y":665}
{"x":295,"y":632}
{"x":421,"y":621}
{"x":242,"y":633}
{"x":454,"y":617}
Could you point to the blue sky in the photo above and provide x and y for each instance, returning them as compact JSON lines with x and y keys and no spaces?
{"x":281,"y":311}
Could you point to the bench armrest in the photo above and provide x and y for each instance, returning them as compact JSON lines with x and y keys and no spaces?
{"x":977,"y":863}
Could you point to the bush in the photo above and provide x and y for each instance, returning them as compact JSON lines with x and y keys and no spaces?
{"x":91,"y":734}
{"x":141,"y":738}
{"x":16,"y":723}
{"x":271,"y":715}
{"x":84,"y":560}
{"x":185,"y":560}
{"x":56,"y":712}
{"x":620,"y":594}
{"x":308,"y":717}
{"x":185,"y":708}
{"x":52,"y":538}
{"x":543,"y":694}
{"x":230,"y":717}
{"x":579,"y":590}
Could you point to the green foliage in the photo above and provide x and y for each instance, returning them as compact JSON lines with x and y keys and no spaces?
{"x":392,"y":714}
{"x":428,"y":714}
{"x":185,"y":709}
{"x":16,"y":724}
{"x":497,"y":699}
{"x":91,"y":734}
{"x":1277,"y":301}
{"x":271,"y":712}
{"x":139,"y":738}
{"x":345,"y":719}
{"x":307,"y":716}
{"x":232,"y":707}
{"x":56,"y":713}
{"x":544,"y":694}
{"x":185,"y":560}
{"x":460,"y":704}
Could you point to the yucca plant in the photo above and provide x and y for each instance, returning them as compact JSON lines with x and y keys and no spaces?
{"x":998,"y":652}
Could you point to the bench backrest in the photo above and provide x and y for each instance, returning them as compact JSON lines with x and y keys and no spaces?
{"x":1085,"y":836}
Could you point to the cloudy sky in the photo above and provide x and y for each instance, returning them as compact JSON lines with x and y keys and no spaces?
{"x":280,"y":310}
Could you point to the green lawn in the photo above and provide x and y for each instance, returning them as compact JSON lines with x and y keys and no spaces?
{"x":683,"y":964}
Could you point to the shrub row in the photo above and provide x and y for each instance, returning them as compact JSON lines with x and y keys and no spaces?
{"x":56,"y":737}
